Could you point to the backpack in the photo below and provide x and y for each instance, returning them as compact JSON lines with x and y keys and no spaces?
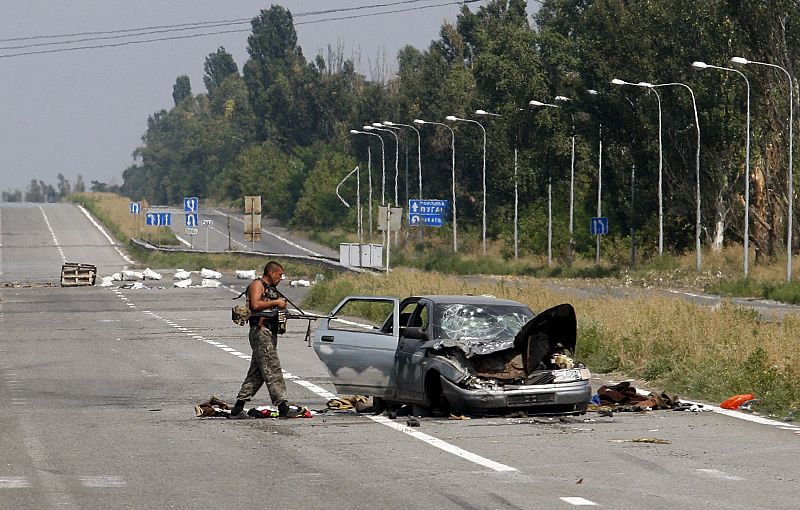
{"x":240,"y":314}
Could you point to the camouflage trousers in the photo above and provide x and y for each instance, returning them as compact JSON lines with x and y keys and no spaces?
{"x":265,"y":367}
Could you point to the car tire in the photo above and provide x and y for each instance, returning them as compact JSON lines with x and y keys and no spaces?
{"x":378,"y":405}
{"x":437,"y":402}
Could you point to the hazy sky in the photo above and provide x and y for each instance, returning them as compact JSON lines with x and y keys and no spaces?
{"x":84,"y":112}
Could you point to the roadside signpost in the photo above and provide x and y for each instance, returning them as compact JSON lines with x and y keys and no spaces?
{"x":599,"y":226}
{"x":208,"y":224}
{"x":191,"y":204}
{"x":389,"y":220}
{"x":158,"y":219}
{"x":427,"y":212}
{"x":135,"y":208}
{"x":252,"y":219}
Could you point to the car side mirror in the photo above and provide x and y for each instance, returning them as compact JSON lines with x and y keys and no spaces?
{"x":416,"y":333}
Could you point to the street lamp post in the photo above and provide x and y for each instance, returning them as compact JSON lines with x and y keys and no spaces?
{"x":453,"y":147}
{"x":617,"y":81}
{"x":419,"y":149}
{"x":742,"y":60}
{"x":698,"y":256}
{"x":703,"y":65}
{"x":383,"y":160}
{"x":453,"y":118}
{"x":380,"y":127}
{"x":536,"y":103}
{"x":369,"y":176}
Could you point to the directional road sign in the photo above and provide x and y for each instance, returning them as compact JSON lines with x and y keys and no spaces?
{"x":158,"y":219}
{"x":191,"y":204}
{"x":136,"y":208}
{"x":599,"y":226}
{"x":191,"y":219}
{"x":427,"y":212}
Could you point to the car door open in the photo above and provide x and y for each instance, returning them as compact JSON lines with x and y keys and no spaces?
{"x":358,"y":345}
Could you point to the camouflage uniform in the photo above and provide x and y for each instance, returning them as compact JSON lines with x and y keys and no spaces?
{"x":265,"y":367}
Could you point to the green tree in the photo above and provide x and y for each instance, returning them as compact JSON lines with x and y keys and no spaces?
{"x":182,"y":89}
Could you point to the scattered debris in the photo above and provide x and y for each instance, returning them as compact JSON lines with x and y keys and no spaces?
{"x":737,"y":401}
{"x":149,"y":274}
{"x":180,"y":274}
{"x":207,"y":282}
{"x":300,"y":283}
{"x":246,"y":274}
{"x":106,"y":281}
{"x":458,"y":417}
{"x":129,"y":276}
{"x":211,"y":407}
{"x":412,"y":422}
{"x":74,"y":274}
{"x":210,"y":273}
{"x":359,"y":403}
{"x":183,"y":284}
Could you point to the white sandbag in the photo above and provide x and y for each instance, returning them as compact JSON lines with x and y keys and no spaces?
{"x":149,"y":274}
{"x":106,"y":281}
{"x":207,"y":282}
{"x":300,"y":283}
{"x":209,"y":273}
{"x":180,"y":274}
{"x":116,"y":277}
{"x":183,"y":283}
{"x":138,"y":285}
{"x":243,"y":274}
{"x":130,"y":276}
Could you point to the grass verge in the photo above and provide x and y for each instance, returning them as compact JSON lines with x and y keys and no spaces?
{"x":675,"y":345}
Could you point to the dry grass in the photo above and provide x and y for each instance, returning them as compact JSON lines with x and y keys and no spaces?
{"x":113,"y":211}
{"x":704,"y":352}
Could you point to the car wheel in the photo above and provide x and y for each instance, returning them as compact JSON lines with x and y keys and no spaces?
{"x":436,"y":400}
{"x":378,"y":405}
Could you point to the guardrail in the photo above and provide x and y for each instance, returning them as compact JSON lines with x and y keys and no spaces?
{"x":305,"y":259}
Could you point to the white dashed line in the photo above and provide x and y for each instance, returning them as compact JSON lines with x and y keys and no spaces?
{"x":14,"y":482}
{"x":433,"y":441}
{"x":720,"y":475}
{"x":577,"y":501}
{"x":102,"y":481}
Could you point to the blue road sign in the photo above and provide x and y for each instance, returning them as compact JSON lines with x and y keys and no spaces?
{"x":158,"y":219}
{"x":190,"y":204}
{"x":599,"y":226}
{"x":136,"y":208}
{"x":191,"y":220}
{"x":427,"y":212}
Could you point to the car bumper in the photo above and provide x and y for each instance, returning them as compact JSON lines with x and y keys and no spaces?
{"x":561,"y":398}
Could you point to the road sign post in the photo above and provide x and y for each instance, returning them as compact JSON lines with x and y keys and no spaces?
{"x":252,"y":219}
{"x":208,"y":224}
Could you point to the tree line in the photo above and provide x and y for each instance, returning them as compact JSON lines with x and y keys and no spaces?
{"x":40,"y":191}
{"x":280,"y":126}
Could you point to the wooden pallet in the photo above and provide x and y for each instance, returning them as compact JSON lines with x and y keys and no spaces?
{"x":74,"y":274}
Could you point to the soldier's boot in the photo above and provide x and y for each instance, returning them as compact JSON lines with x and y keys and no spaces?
{"x":238,"y":408}
{"x":283,"y":409}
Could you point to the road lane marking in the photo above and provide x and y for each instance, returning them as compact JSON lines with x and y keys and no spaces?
{"x":290,"y":243}
{"x":14,"y":482}
{"x":102,"y":481}
{"x":103,"y":231}
{"x":184,"y":241}
{"x":578,"y":501}
{"x":313,"y":388}
{"x":53,"y":235}
{"x":1,"y":242}
{"x":721,"y":475}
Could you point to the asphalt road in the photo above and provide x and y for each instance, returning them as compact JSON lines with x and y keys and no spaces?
{"x":215,"y":236}
{"x":100,"y":385}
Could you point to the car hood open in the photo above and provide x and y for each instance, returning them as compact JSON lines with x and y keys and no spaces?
{"x":551,"y":330}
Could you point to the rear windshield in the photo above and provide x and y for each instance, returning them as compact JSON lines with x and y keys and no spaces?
{"x":487,"y":322}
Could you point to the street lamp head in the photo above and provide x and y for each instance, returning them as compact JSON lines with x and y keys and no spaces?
{"x":419,"y":121}
{"x":354,"y":132}
{"x":562,"y":98}
{"x":481,"y":112}
{"x":740,"y":60}
{"x":368,"y":128}
{"x":699,"y":65}
{"x":377,"y":124}
{"x":534,"y":102}
{"x":451,"y":117}
{"x":617,"y":81}
{"x":388,"y":123}
{"x":592,"y":92}
{"x":645,"y":84}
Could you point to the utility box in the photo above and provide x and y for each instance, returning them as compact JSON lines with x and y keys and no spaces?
{"x":361,"y":255}
{"x":78,"y":275}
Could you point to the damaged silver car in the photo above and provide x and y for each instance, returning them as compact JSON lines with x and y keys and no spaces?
{"x":455,"y":354}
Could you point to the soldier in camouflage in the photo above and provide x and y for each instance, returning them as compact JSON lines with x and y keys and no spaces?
{"x":265,"y":367}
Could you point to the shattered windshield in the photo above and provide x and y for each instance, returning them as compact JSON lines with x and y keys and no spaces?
{"x":479,"y":321}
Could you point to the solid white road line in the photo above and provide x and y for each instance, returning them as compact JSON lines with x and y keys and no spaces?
{"x":184,"y":241}
{"x":103,"y":231}
{"x":53,"y":235}
{"x":433,"y":441}
{"x":14,"y":482}
{"x":577,"y":501}
{"x":102,"y":481}
{"x":721,"y":475}
{"x":290,"y":243}
{"x":1,"y":242}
